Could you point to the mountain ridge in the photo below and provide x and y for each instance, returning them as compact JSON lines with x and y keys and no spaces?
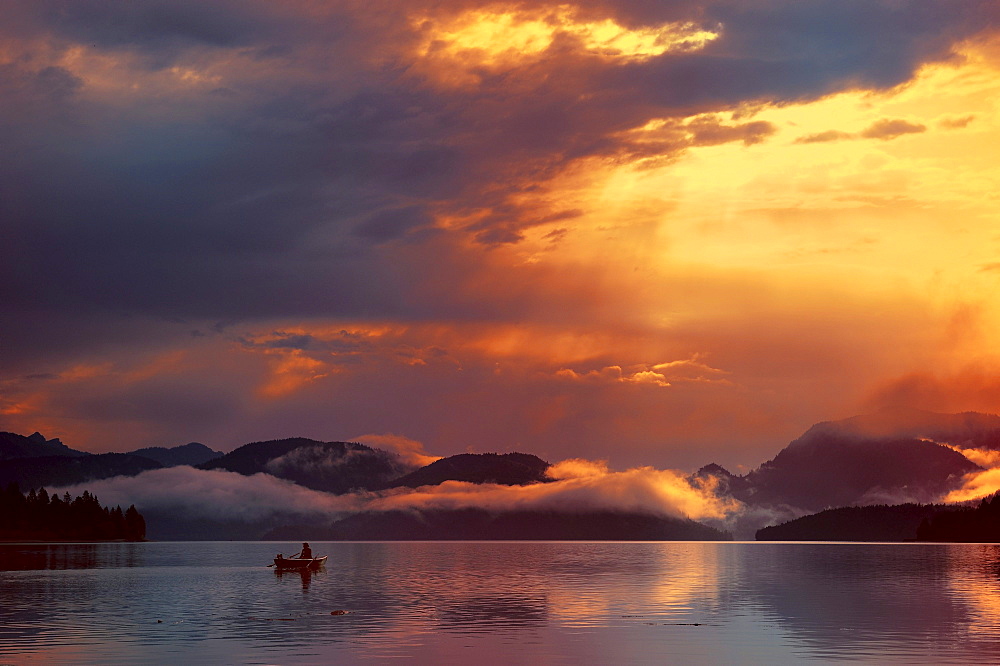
{"x":14,"y":446}
{"x":893,"y":457}
{"x":510,"y":469}
{"x":192,"y":453}
{"x":475,"y":524}
{"x":336,"y":467}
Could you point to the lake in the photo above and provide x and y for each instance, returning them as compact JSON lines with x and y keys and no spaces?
{"x":509,"y":602}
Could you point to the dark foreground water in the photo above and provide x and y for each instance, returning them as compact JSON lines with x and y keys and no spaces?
{"x":594,"y":603}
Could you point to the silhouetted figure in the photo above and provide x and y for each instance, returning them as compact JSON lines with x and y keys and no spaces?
{"x":306,"y":552}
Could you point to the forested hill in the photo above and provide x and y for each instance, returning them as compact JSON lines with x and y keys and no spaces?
{"x":879,"y":522}
{"x":979,"y":524}
{"x":37,"y":516}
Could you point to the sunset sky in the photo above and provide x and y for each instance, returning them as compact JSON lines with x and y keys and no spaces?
{"x":649,"y":232}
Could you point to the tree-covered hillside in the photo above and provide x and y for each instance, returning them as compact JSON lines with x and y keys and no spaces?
{"x":37,"y":516}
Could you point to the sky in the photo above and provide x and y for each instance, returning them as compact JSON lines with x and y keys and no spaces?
{"x":644,"y":232}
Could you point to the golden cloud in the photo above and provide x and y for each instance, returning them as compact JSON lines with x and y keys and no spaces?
{"x":456,"y":48}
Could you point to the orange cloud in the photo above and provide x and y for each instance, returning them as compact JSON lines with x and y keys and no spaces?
{"x":890,"y":128}
{"x":455,"y":49}
{"x":977,"y":486}
{"x":290,"y":371}
{"x":956,"y":122}
{"x":973,"y":388}
{"x":490,"y":224}
{"x":410,"y":450}
{"x":885,"y":129}
{"x":575,"y":468}
{"x":215,"y":494}
{"x":649,"y":490}
{"x":659,"y":374}
{"x":982,"y":457}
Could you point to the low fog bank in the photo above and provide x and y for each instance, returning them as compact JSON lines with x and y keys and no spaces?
{"x":222,"y":504}
{"x":187,"y":503}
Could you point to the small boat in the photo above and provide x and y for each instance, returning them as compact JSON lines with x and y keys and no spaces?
{"x":299,"y":563}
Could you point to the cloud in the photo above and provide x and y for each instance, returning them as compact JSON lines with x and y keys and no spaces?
{"x":318,"y":461}
{"x":976,"y":486}
{"x":983,"y":457}
{"x":409,"y":450}
{"x":181,"y":174}
{"x":486,"y":386}
{"x":973,"y":388}
{"x":956,"y":122}
{"x":228,"y":496}
{"x":710,"y":132}
{"x":887,"y":129}
{"x":395,"y":223}
{"x":658,"y":374}
{"x":214,"y":494}
{"x":645,"y":490}
{"x":824,"y":137}
{"x":246,"y":160}
{"x":575,"y":468}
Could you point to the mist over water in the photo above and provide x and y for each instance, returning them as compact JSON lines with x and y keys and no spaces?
{"x":179,"y":493}
{"x":214,"y":602}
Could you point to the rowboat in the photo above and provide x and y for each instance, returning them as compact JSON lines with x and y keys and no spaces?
{"x":299,"y":563}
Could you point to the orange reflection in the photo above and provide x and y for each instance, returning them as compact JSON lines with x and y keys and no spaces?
{"x":976,"y":584}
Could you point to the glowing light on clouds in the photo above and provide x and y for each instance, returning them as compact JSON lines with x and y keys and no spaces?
{"x":686,"y":228}
{"x":501,"y":38}
{"x":581,"y":486}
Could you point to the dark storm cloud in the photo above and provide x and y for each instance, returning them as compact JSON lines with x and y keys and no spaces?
{"x":390,"y":224}
{"x":33,"y":92}
{"x":275,"y":191}
{"x":161,"y":29}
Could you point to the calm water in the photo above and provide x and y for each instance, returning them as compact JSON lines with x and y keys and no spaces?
{"x":756,"y":603}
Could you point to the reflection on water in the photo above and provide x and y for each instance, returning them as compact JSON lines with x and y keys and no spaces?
{"x":980,"y":589}
{"x":890,"y":600}
{"x":520,"y":602}
{"x":305,"y":575}
{"x":70,"y":556}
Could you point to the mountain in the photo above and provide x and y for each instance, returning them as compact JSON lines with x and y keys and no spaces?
{"x":13,"y":446}
{"x":189,"y":454}
{"x":721,"y":481}
{"x":336,"y":467}
{"x":510,"y":469}
{"x":478,"y":524}
{"x":891,"y":457}
{"x":825,"y":469}
{"x":856,"y":523}
{"x":965,"y":430}
{"x":49,"y":471}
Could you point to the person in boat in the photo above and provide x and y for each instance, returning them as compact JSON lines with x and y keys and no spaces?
{"x":306,"y":552}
